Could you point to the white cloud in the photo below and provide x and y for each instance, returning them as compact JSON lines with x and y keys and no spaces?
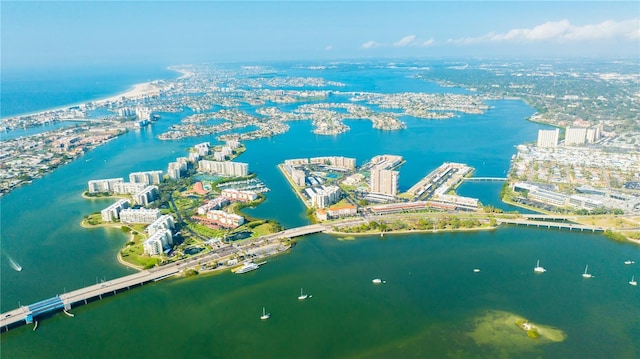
{"x":328,"y":48}
{"x":370,"y":44}
{"x":407,"y":40}
{"x":561,"y":31}
{"x":429,"y":42}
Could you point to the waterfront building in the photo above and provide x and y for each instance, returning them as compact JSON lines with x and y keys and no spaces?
{"x":112,"y":213}
{"x":398,"y":207}
{"x":237,"y":195}
{"x":164,"y":222}
{"x":384,"y":181}
{"x":226,"y":150}
{"x":202,"y":148}
{"x":335,"y":161}
{"x":126,"y":112}
{"x":143,"y":113}
{"x":140,"y":215}
{"x":548,"y":138}
{"x":148,"y":177}
{"x":173,"y":171}
{"x":103,"y":185}
{"x":228,"y":168}
{"x":297,"y":175}
{"x":321,"y":197}
{"x":224,"y":219}
{"x":233,"y":143}
{"x":386,"y":162}
{"x":575,"y":136}
{"x":215,"y":203}
{"x":194,"y":157}
{"x":146,"y":196}
{"x":459,"y":202}
{"x":128,"y":187}
{"x":296,"y":161}
{"x":158,"y":242}
{"x":219,"y":156}
{"x":345,"y":210}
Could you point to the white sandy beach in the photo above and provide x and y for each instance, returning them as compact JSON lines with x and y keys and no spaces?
{"x":137,"y":91}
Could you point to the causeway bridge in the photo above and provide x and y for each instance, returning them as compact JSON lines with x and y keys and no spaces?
{"x":550,"y":225}
{"x":31,"y":313}
{"x":485,"y":179}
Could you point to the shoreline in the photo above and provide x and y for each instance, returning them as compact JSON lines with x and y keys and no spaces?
{"x":133,"y":89}
{"x":412,"y":231}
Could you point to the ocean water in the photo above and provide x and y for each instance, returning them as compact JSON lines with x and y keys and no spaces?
{"x":28,"y":91}
{"x":429,"y":306}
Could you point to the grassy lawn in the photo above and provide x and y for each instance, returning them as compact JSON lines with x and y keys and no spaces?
{"x":608,"y":222}
{"x":134,"y":254}
{"x":206,"y":231}
{"x":263,"y":229}
{"x":94,"y":219}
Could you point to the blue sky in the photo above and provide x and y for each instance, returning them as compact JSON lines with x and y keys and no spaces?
{"x":37,"y":34}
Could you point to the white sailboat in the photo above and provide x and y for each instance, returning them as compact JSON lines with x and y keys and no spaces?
{"x":633,"y":281}
{"x":265,"y":315}
{"x":302,"y":296}
{"x":585,"y":274}
{"x":539,"y":269}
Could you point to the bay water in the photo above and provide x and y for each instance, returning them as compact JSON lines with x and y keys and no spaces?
{"x":430,"y":305}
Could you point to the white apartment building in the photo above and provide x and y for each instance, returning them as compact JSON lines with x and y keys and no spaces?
{"x":146,"y":196}
{"x":386,"y":162}
{"x":224,"y":219}
{"x":335,"y":161}
{"x":235,"y":169}
{"x":322,"y":197}
{"x":141,"y":215}
{"x":112,"y":213}
{"x":103,"y":185}
{"x":159,"y":241}
{"x":548,"y":138}
{"x":233,"y":143}
{"x":194,"y":157}
{"x":237,"y":195}
{"x":215,"y":203}
{"x":384,"y":181}
{"x":128,"y":187}
{"x":148,"y":177}
{"x":143,"y":113}
{"x":219,"y":156}
{"x":575,"y":136}
{"x":164,"y":222}
{"x":202,"y":148}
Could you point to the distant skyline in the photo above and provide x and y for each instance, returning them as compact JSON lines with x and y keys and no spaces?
{"x":38,"y":34}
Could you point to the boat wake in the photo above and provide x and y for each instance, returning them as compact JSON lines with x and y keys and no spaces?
{"x":15,"y":265}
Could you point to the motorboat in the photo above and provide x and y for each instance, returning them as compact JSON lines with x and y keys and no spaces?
{"x":247,"y":267}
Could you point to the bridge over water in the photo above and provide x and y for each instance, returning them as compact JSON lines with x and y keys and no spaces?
{"x":550,"y":225}
{"x":485,"y":179}
{"x":31,"y":313}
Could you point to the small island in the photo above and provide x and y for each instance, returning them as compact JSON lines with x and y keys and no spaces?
{"x":193,"y":209}
{"x":511,"y":331}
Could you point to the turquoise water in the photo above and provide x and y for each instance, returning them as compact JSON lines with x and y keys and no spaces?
{"x":426,"y":309}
